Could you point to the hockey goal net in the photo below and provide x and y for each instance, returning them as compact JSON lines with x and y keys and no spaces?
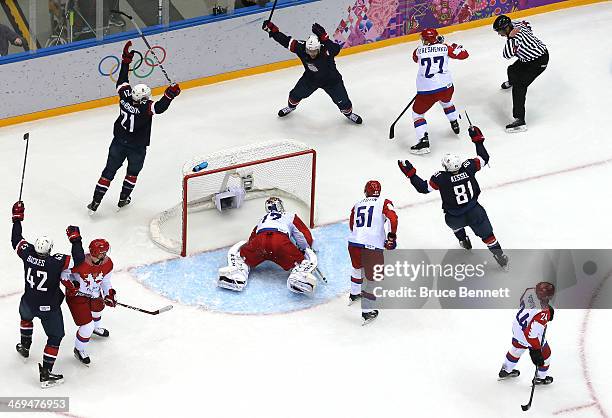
{"x":274,"y":168}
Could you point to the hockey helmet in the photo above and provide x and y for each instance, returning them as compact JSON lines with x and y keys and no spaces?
{"x":313,"y":46}
{"x":98,"y":248}
{"x":43,"y":245}
{"x":501,"y":24}
{"x":274,"y":204}
{"x":141,"y":93}
{"x":372,"y":188}
{"x":431,"y":36}
{"x":451,"y":162}
{"x":545,"y":291}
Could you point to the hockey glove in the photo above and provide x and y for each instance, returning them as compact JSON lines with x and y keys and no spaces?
{"x":109,"y":300}
{"x":71,"y":289}
{"x":476,"y":134}
{"x":172,"y":91}
{"x":73,"y":233}
{"x":320,"y":32}
{"x":270,"y":27}
{"x":128,"y":54}
{"x":391,"y":241}
{"x":406,"y":168}
{"x":552,"y":313}
{"x":18,"y":211}
{"x":536,"y":357}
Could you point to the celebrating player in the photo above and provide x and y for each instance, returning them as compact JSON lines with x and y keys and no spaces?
{"x":42,"y":297}
{"x":368,"y":219}
{"x":132,"y":132}
{"x":280,"y":237}
{"x":91,"y":290}
{"x":434,"y":84}
{"x":459,"y":191}
{"x":528,"y":330}
{"x":317,"y":54}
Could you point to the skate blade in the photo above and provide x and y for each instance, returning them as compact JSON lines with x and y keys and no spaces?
{"x":46,"y":385}
{"x":91,"y":212}
{"x":352,"y":302}
{"x":368,"y":321}
{"x":499,"y":379}
{"x":84,"y":364}
{"x":420,"y":152}
{"x":516,"y":130}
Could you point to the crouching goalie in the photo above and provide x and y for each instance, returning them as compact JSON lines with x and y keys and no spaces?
{"x":280,"y":237}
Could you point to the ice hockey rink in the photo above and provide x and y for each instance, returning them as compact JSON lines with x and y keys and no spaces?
{"x":546,"y":188}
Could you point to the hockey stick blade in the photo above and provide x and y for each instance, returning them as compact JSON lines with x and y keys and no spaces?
{"x":165,"y":309}
{"x":119,"y":12}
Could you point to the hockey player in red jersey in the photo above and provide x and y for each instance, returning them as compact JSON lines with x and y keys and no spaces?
{"x":528,"y":330}
{"x":369,"y":218}
{"x":91,"y":290}
{"x":280,"y":237}
{"x":434,"y":84}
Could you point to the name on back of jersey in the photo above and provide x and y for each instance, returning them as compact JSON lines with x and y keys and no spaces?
{"x":36,"y":261}
{"x":459,"y":177}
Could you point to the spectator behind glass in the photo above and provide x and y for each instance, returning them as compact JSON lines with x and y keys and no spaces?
{"x":8,"y":35}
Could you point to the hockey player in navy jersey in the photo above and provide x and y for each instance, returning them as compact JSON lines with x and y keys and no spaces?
{"x":317,"y":54}
{"x":43,"y":297}
{"x":459,"y":191}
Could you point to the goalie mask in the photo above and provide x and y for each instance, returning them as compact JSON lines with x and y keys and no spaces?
{"x":274,"y":204}
{"x":141,"y":93}
{"x":43,"y":246}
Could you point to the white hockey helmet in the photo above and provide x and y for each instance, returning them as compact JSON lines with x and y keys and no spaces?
{"x":451,"y":162}
{"x":43,"y":245}
{"x":274,"y":204}
{"x":141,"y":93}
{"x":313,"y":46}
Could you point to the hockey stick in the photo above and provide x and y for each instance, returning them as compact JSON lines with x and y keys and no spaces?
{"x":468,"y":118}
{"x":392,"y":129}
{"x":157,"y":312}
{"x":321,"y":276}
{"x":26,"y":138}
{"x":145,"y":41}
{"x":263,"y":26}
{"x":526,"y":407}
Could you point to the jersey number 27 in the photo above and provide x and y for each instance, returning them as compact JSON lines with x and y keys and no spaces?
{"x":436,"y":60}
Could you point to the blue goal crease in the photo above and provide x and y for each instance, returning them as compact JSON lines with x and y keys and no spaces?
{"x":193,"y":280}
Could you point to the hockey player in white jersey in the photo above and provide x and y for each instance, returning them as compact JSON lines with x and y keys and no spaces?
{"x":528,"y":330}
{"x":369,"y":221}
{"x":280,"y":237}
{"x":434,"y":84}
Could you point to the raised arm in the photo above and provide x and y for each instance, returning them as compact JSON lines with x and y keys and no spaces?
{"x":331,"y":47}
{"x":418,"y":183}
{"x":126,"y":60}
{"x":18,"y":214}
{"x":74,"y":236}
{"x":478,"y":140}
{"x":279,"y":37}
{"x":162,"y":104}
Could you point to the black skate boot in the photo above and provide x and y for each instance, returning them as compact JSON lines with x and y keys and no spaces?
{"x":93,"y":207}
{"x":354,"y":117}
{"x":455,"y":126}
{"x":506,"y":375}
{"x":285,"y":111}
{"x":124,"y":202}
{"x":546,"y":381}
{"x":502,"y":260}
{"x":101,"y":332}
{"x":369,"y":316}
{"x":82,"y":357}
{"x":23,"y":350}
{"x":518,"y":125}
{"x":353,"y":299}
{"x":466,"y":243}
{"x":48,"y":379}
{"x":422,"y":147}
{"x":506,"y":85}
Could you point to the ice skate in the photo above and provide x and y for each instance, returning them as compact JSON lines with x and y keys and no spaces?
{"x":285,"y":111}
{"x":422,"y":147}
{"x":506,"y":85}
{"x":93,"y":207}
{"x":123,"y":203}
{"x":101,"y":332}
{"x":355,"y":118}
{"x":353,"y":299}
{"x":49,"y":379}
{"x":518,"y":125}
{"x":466,"y":243}
{"x":369,"y":317}
{"x":23,"y":350}
{"x":455,"y":126}
{"x":82,"y":356}
{"x":503,"y":375}
{"x":545,"y":381}
{"x":502,"y":260}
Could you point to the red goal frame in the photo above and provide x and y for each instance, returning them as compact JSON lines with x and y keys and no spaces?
{"x":205,"y":172}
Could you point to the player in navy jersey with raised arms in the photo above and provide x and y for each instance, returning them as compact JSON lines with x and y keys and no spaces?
{"x":459,"y":191}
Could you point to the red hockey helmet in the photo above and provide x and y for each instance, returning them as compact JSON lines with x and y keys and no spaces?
{"x":545,"y":291}
{"x":372,"y":188}
{"x":430,"y":36}
{"x":98,"y":248}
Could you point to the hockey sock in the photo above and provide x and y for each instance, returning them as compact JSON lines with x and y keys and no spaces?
{"x":97,"y":320}
{"x":49,"y":356}
{"x":83,"y":335}
{"x":460,"y":234}
{"x":356,"y":286}
{"x":420,"y":124}
{"x":513,"y":356}
{"x":26,"y":329}
{"x":493,"y":245}
{"x":293,"y":103}
{"x":129,"y":182}
{"x":449,"y":109}
{"x":101,"y":189}
{"x":347,"y":112}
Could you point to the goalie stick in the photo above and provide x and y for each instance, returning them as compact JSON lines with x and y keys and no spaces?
{"x":533,"y":384}
{"x":157,"y":312}
{"x":392,"y":129}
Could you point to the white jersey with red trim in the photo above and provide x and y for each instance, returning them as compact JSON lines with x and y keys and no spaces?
{"x":368,"y":220}
{"x":530,"y":321}
{"x":93,"y":279}
{"x":287,"y":223}
{"x":433,"y":75}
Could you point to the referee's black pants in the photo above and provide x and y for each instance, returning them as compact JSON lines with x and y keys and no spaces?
{"x":521,"y":75}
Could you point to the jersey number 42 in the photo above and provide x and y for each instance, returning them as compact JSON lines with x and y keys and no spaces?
{"x":42,"y":275}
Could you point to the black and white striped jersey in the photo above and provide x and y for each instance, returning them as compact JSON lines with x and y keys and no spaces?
{"x":524,"y":45}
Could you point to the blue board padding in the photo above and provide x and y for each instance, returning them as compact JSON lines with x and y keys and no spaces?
{"x":192,"y":280}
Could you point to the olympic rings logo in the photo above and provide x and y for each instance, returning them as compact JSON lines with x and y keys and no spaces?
{"x":109,"y":65}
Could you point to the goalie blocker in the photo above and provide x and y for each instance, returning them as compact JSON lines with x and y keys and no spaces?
{"x":280,"y":237}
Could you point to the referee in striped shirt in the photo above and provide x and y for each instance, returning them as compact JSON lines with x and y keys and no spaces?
{"x":532,"y":59}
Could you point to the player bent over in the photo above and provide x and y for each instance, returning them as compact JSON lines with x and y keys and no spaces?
{"x":132,"y":132}
{"x":317,"y":54}
{"x":528,"y":329}
{"x":434,"y":84}
{"x":92,"y":290}
{"x":459,"y":190}
{"x":280,"y":237}
{"x":368,"y":238}
{"x":43,"y":297}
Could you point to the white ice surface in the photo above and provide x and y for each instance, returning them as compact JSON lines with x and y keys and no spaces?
{"x":321,"y":362}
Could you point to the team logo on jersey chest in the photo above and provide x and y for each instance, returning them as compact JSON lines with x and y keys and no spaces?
{"x":312,"y":68}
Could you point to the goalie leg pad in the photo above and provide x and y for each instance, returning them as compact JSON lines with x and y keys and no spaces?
{"x":301,"y":279}
{"x":235,"y":275}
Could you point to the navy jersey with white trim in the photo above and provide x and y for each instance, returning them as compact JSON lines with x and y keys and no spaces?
{"x":460,"y":190}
